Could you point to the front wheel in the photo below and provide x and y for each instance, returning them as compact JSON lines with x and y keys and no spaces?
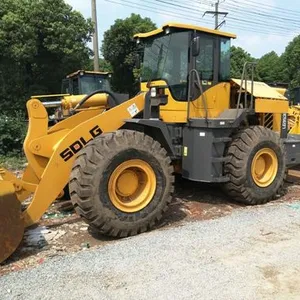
{"x":122,"y":183}
{"x":256,"y":166}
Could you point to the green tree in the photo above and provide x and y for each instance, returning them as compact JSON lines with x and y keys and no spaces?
{"x":291,"y":62}
{"x":41,"y":41}
{"x":238,"y":58}
{"x":119,"y":50}
{"x":12,"y":133}
{"x":104,"y":66}
{"x":269,"y":67}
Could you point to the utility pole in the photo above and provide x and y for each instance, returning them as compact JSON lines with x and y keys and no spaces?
{"x":95,"y":36}
{"x":216,"y":13}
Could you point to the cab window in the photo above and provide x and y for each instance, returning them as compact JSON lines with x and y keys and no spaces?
{"x":75,"y":86}
{"x":224,"y":73}
{"x":205,"y":59}
{"x":166,"y":58}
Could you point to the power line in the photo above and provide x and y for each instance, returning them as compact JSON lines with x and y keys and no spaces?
{"x":157,"y":10}
{"x":172,"y":4}
{"x":167,"y":4}
{"x":254,"y":22}
{"x":255,"y":6}
{"x":259,"y":4}
{"x":280,"y":29}
{"x":148,"y":8}
{"x":269,"y":16}
{"x":257,"y":22}
{"x":272,"y":20}
{"x":244,"y":28}
{"x":255,"y":16}
{"x":266,"y":7}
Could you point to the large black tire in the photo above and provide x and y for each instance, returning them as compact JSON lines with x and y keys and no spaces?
{"x":241,"y":152}
{"x":90,"y":176}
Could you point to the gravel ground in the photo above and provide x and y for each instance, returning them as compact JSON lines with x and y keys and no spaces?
{"x":61,"y":232}
{"x":251,"y":254}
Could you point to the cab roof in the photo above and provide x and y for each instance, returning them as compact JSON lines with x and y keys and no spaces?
{"x":74,"y":74}
{"x":184,"y":26}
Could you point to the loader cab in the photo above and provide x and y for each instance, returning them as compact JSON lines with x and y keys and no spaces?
{"x":186,"y":61}
{"x":294,"y":96}
{"x":85,"y":82}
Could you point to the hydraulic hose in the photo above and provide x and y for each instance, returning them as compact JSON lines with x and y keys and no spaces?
{"x":94,"y":93}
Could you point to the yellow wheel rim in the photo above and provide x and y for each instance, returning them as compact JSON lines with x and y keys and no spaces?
{"x":132,"y":185}
{"x":264,"y":167}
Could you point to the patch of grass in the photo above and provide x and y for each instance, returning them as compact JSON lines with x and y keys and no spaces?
{"x":12,"y":162}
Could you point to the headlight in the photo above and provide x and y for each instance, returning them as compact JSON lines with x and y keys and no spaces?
{"x":153,"y":92}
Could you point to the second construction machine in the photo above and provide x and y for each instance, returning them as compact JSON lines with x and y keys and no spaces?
{"x":119,"y":157}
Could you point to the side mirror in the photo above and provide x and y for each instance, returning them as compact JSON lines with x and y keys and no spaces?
{"x":196,"y":46}
{"x":137,"y":61}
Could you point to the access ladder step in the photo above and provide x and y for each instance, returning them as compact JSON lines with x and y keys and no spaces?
{"x":222,"y":140}
{"x":220,"y":179}
{"x":220,"y":159}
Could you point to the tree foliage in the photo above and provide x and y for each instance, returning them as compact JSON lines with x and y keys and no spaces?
{"x":238,"y":58}
{"x":104,"y":66}
{"x":41,"y":41}
{"x":270,"y":68}
{"x":12,"y":133}
{"x":291,"y":62}
{"x":119,"y":50}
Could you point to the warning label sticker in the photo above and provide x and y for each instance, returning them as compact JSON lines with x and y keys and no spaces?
{"x":133,"y":110}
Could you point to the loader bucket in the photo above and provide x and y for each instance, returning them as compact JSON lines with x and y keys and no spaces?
{"x":11,"y":221}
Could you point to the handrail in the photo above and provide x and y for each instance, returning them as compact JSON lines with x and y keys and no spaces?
{"x":245,"y":78}
{"x":202,"y":95}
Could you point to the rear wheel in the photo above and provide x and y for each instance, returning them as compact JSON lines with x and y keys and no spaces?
{"x":256,"y":166}
{"x":122,"y":183}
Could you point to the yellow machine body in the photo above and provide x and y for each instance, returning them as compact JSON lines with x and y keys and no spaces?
{"x":176,"y":112}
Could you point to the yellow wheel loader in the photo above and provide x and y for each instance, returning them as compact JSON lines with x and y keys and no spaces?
{"x":74,"y":87}
{"x":84,"y":82}
{"x":118,"y":157}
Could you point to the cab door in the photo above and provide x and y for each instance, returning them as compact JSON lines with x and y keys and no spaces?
{"x":208,"y":93}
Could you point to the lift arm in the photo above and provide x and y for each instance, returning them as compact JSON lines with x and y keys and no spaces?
{"x":51,"y":154}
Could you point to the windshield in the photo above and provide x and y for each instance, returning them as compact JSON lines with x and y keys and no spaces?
{"x":65,"y":86}
{"x":166,"y":58}
{"x":90,"y":83}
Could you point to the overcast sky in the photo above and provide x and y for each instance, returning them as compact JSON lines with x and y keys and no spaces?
{"x":271,"y":29}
